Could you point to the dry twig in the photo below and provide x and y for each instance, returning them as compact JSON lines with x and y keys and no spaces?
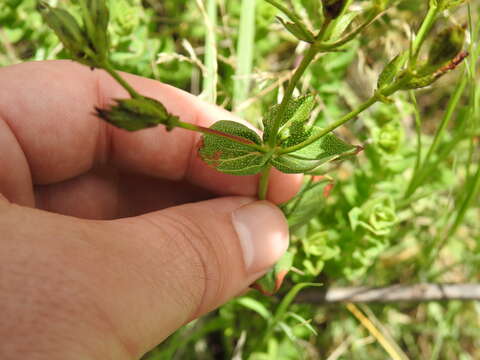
{"x":394,"y":293}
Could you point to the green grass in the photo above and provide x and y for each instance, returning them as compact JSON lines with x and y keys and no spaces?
{"x":245,"y":49}
{"x":210,"y":79}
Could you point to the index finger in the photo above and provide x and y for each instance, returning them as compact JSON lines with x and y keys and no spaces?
{"x":48,"y":107}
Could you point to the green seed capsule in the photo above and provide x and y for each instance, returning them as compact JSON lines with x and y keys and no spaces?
{"x":96,"y":18}
{"x":66,"y":28}
{"x":446,"y":46}
{"x":99,"y":13}
{"x":137,"y":113}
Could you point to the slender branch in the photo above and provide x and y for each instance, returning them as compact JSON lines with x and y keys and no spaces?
{"x":418,"y":130}
{"x":263,"y":183}
{"x":385,"y":93}
{"x":300,"y":196}
{"x":307,"y":59}
{"x":185,"y":125}
{"x":335,"y":44}
{"x":395,"y":293}
{"x":425,"y":28}
{"x":421,"y":171}
{"x":332,"y":126}
{"x":209,"y":131}
{"x":108,"y":68}
{"x":471,"y":191}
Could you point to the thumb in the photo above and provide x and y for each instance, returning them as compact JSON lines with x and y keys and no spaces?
{"x":82,"y":289}
{"x":184,"y":261}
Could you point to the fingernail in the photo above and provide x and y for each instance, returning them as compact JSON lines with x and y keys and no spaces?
{"x":263,"y":234}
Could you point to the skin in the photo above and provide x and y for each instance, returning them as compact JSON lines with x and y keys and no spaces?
{"x":111,"y":240}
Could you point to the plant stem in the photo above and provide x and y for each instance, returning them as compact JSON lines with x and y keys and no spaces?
{"x":300,"y":196}
{"x":209,"y":131}
{"x":185,"y":125}
{"x":418,"y":175}
{"x":263,"y":183}
{"x":108,"y":68}
{"x":335,"y":44}
{"x":472,"y":190}
{"x":418,"y":130}
{"x":473,"y":187}
{"x":331,"y":127}
{"x":307,"y":59}
{"x":425,"y":28}
{"x":385,"y":93}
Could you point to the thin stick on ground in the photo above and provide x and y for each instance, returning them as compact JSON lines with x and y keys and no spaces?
{"x":375,"y":332}
{"x":395,"y":293}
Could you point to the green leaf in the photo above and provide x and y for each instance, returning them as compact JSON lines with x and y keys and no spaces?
{"x":288,"y":330}
{"x":137,"y":113}
{"x":309,"y":158}
{"x":308,"y":203}
{"x":227,"y":155}
{"x":297,"y":110}
{"x":281,"y":311}
{"x":271,"y":282}
{"x":303,"y":322}
{"x":390,"y":71}
{"x":342,"y":24}
{"x":296,"y":133}
{"x":256,"y":306}
{"x":96,"y":17}
{"x":301,"y":33}
{"x":378,"y":216}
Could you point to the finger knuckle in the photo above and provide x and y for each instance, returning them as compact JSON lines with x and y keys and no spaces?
{"x":202,"y":250}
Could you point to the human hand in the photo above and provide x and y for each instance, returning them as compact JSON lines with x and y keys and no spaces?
{"x":99,"y":259}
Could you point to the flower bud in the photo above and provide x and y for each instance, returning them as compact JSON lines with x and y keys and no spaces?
{"x":67,"y":29}
{"x":446,"y":45}
{"x":137,"y":113}
{"x":99,"y":13}
{"x":419,"y":80}
{"x":96,"y":17}
{"x":333,"y":8}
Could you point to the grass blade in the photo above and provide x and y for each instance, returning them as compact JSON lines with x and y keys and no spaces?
{"x":210,"y":79}
{"x":246,"y":39}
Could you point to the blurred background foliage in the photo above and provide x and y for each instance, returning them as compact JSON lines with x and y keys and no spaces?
{"x":372,"y":230}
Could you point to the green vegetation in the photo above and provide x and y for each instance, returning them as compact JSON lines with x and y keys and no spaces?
{"x":405,"y":210}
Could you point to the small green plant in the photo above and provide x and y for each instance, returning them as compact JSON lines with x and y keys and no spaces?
{"x":290,"y":143}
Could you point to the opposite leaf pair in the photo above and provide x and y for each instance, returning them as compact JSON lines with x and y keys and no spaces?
{"x":241,"y":158}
